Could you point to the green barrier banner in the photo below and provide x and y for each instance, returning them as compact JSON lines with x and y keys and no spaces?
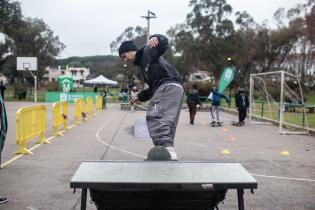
{"x":226,"y":78}
{"x":51,"y":97}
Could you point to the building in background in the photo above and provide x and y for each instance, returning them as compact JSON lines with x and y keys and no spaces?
{"x":198,"y":76}
{"x":79,"y":75}
{"x":3,"y":79}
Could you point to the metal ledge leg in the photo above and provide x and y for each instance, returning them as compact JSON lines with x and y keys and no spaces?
{"x":83,"y":199}
{"x":240,"y":198}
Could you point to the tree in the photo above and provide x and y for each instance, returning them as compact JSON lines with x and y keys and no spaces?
{"x":244,"y":42}
{"x":25,"y":37}
{"x":206,"y":41}
{"x":302,"y":55}
{"x":11,"y":16}
{"x":138,"y":35}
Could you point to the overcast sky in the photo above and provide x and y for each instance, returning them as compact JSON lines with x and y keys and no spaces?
{"x":87,"y":27}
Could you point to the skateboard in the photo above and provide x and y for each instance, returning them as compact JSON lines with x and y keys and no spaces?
{"x":216,"y":124}
{"x":236,"y":124}
{"x":158,"y":153}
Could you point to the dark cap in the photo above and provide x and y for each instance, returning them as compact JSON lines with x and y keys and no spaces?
{"x":126,"y":47}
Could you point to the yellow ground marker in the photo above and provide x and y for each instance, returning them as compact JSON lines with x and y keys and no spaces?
{"x":285,"y":153}
{"x":225,"y":152}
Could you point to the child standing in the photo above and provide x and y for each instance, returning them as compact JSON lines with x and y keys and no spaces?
{"x":215,"y":98}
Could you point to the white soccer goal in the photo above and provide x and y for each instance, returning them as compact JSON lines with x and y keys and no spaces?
{"x":277,"y":97}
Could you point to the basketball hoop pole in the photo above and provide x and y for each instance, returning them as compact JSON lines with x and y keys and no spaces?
{"x":35,"y":85}
{"x":28,"y":64}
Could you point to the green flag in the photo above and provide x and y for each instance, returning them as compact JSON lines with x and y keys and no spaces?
{"x":226,"y":78}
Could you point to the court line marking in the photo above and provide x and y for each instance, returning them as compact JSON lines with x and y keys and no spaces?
{"x":97,"y":134}
{"x":267,"y":176}
{"x":33,"y":148}
{"x":282,"y":177}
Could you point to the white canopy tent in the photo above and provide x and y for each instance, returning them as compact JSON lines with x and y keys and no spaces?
{"x":100,"y":80}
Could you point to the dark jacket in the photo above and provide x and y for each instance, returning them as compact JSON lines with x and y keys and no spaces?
{"x":193,"y":97}
{"x":155,"y":69}
{"x":241,"y":102}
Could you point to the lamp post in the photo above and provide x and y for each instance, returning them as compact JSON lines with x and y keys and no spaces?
{"x":125,"y":96}
{"x":229,"y":63}
{"x":125,"y":75}
{"x":212,"y":80}
{"x":148,"y":17}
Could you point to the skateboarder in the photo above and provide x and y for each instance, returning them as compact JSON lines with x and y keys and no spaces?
{"x":242,"y":104}
{"x":164,"y":91}
{"x":192,"y":101}
{"x":215,"y":98}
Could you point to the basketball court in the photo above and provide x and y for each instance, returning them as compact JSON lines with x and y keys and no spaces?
{"x":283,"y":165}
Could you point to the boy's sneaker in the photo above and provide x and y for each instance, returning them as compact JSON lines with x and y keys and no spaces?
{"x":3,"y":200}
{"x":212,"y":123}
{"x":171,"y":150}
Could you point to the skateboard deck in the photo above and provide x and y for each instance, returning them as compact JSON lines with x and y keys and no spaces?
{"x":158,"y":153}
{"x":235,"y":124}
{"x":216,"y":125}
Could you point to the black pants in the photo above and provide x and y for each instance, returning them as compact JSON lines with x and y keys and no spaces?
{"x":192,"y":111}
{"x":242,"y":114}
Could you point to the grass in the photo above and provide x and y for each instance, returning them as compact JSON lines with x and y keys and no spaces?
{"x":311,"y":99}
{"x":295,"y":118}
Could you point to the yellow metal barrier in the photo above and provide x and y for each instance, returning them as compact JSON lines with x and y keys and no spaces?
{"x":77,"y":111}
{"x":84,"y":109}
{"x":80,"y":110}
{"x":99,"y":103}
{"x":60,"y":116}
{"x":89,"y":107}
{"x":30,"y":123}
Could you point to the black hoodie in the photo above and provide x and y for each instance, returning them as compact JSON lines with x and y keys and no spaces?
{"x":155,"y":69}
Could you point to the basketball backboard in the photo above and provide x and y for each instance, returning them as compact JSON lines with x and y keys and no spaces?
{"x":26,"y":63}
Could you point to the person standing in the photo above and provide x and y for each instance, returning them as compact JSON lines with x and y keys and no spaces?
{"x":165,"y":90}
{"x":215,"y":98}
{"x":192,"y":101}
{"x":103,"y":94}
{"x":2,"y":89}
{"x":3,"y":134}
{"x":242,"y":104}
{"x":131,"y":83}
{"x":133,"y":94}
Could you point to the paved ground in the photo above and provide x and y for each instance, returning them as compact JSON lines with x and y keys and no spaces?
{"x":41,"y":181}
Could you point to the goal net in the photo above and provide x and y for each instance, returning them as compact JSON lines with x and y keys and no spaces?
{"x":276,"y":97}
